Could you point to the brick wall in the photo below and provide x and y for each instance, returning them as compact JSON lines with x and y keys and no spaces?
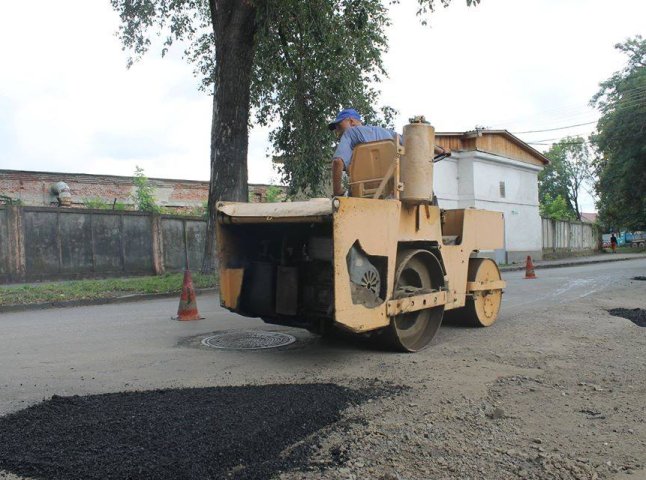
{"x":34,"y":189}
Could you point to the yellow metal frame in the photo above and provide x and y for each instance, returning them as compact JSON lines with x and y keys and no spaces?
{"x":381,"y":226}
{"x":373,"y":166}
{"x":415,"y":303}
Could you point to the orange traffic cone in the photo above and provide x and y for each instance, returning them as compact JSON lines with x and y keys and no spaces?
{"x":187,"y":302}
{"x":529,"y":269}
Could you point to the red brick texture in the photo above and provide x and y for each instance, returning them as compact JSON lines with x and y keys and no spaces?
{"x":34,"y":189}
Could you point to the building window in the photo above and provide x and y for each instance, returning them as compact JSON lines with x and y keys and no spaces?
{"x":502,"y":189}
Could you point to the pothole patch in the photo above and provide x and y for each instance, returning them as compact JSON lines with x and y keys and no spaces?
{"x":643,"y":279}
{"x":635,"y":315}
{"x":237,"y":433}
{"x":248,"y":340}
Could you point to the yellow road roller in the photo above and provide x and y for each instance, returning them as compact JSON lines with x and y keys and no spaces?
{"x":384,"y":260}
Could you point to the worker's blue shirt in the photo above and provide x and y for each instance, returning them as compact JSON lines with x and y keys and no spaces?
{"x":354,"y":136}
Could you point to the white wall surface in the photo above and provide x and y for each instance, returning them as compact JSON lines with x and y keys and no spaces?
{"x":523,"y":231}
{"x":478,"y":176}
{"x":445,"y":182}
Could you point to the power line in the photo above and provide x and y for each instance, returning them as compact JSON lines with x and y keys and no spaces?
{"x":555,"y":138}
{"x":553,"y":129}
{"x":630,"y":97}
{"x":560,"y":143}
{"x":629,"y":102}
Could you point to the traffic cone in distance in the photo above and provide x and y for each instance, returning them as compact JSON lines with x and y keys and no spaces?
{"x":187,"y":302}
{"x":529,"y":268}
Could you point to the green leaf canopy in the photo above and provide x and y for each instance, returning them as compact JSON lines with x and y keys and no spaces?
{"x":621,"y":141}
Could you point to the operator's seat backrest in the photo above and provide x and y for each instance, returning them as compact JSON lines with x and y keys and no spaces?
{"x":371,"y":163}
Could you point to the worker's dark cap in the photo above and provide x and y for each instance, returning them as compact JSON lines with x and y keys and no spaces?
{"x":343,"y":114}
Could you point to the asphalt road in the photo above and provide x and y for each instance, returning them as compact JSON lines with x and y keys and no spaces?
{"x":565,"y":373}
{"x":134,"y":346}
{"x":556,"y":286}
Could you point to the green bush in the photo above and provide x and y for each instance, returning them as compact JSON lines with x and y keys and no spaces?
{"x":144,"y":197}
{"x":100,"y":204}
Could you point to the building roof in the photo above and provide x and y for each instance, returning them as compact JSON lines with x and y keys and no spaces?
{"x":588,"y":217}
{"x":497,"y":142}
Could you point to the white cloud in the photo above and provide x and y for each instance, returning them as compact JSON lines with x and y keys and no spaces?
{"x":509,"y":64}
{"x":69,"y":104}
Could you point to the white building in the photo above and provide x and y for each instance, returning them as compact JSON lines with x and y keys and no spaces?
{"x":494,"y":170}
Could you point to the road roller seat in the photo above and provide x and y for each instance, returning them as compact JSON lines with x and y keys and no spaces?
{"x":374,"y":168}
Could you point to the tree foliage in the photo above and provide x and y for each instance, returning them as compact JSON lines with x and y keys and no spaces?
{"x":311,"y":58}
{"x":329,"y":55}
{"x":567,"y":175}
{"x":556,"y":208}
{"x":291,"y":63}
{"x":98,"y":203}
{"x":621,"y":141}
{"x":6,"y":200}
{"x":274,"y":194}
{"x":144,"y":194}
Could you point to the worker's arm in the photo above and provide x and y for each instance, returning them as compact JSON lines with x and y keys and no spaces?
{"x":337,"y":173}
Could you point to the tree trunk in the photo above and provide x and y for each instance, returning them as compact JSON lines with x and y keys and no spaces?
{"x":577,"y":209}
{"x":234,"y":29}
{"x":575,"y":197}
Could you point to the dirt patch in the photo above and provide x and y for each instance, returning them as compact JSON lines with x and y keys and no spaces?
{"x":219,"y":432}
{"x":635,"y":315}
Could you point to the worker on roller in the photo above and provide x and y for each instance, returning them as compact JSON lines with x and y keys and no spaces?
{"x":351,"y":131}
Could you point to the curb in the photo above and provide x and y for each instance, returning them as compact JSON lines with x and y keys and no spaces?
{"x":155,"y":296}
{"x":570,"y":263}
{"x":97,"y":301}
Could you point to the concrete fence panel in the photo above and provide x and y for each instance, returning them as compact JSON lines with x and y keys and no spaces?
{"x":4,"y":245}
{"x":174,"y":243}
{"x":38,"y":243}
{"x":107,"y":243}
{"x":75,"y":232}
{"x":42,"y":243}
{"x":548,"y":234}
{"x":183,"y":238}
{"x":137,"y":243}
{"x":196,"y":239}
{"x":564,"y":238}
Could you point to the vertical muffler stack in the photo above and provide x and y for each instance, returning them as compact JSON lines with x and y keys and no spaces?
{"x":416,"y":168}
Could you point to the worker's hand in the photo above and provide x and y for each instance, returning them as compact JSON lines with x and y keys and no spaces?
{"x":338,"y":193}
{"x":337,"y":173}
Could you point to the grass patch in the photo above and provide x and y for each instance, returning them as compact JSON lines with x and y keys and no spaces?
{"x":98,"y":289}
{"x":626,"y":249}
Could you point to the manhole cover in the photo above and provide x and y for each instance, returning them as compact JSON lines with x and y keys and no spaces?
{"x":249,"y":340}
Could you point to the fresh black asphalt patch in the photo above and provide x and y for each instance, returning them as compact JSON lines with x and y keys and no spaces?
{"x":196,"y":433}
{"x":635,"y":315}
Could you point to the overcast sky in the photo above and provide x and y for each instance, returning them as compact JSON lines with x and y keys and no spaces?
{"x":68,"y":104}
